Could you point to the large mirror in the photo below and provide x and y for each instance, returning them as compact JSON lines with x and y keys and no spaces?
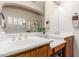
{"x":21,"y":20}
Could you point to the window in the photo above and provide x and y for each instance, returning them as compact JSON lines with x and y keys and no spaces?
{"x":9,"y":20}
{"x":15,"y":20}
{"x":20,"y":21}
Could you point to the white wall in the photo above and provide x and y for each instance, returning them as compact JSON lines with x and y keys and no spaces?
{"x":51,"y":14}
{"x":67,"y":9}
{"x":70,"y":8}
{"x":63,"y":14}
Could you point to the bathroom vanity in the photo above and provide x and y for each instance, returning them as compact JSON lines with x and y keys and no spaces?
{"x":36,"y":46}
{"x":63,"y":47}
{"x":31,"y":47}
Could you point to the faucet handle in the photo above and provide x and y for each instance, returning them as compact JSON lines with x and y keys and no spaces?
{"x":25,"y":36}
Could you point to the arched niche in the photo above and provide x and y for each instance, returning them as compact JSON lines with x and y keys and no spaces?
{"x":23,"y":7}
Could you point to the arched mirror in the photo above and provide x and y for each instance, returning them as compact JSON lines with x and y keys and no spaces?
{"x":18,"y":19}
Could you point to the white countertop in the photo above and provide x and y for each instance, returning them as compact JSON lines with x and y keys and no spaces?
{"x":9,"y":48}
{"x":58,"y":39}
{"x":13,"y":47}
{"x":56,"y":43}
{"x":61,"y":35}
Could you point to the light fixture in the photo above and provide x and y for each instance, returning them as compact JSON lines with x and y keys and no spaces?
{"x":57,"y":2}
{"x":33,"y":1}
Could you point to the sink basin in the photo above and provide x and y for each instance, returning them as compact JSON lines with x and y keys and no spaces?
{"x":29,"y":40}
{"x":22,"y":42}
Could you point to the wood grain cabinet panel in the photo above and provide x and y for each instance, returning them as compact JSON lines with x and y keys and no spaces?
{"x":42,"y":52}
{"x":56,"y":49}
{"x":24,"y":55}
{"x":34,"y":53}
{"x":50,"y":52}
{"x":69,"y":46}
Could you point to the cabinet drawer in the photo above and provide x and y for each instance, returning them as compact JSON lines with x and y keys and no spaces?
{"x":59,"y":47}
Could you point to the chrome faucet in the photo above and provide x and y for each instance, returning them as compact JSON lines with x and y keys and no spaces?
{"x":2,"y":15}
{"x":25,"y":36}
{"x":3,"y":18}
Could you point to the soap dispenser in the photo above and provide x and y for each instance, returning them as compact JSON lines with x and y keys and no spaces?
{"x":75,"y":20}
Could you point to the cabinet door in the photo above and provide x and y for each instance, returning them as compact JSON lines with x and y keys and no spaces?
{"x":42,"y":52}
{"x":45,"y":51}
{"x":27,"y":54}
{"x":50,"y":52}
{"x":37,"y":52}
{"x":34,"y":53}
{"x":56,"y":49}
{"x":69,"y":46}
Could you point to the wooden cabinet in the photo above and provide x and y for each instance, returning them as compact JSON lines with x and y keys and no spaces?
{"x":45,"y":51}
{"x":56,"y":49}
{"x":33,"y":53}
{"x":25,"y":54}
{"x":69,"y":46}
{"x":41,"y":51}
{"x":50,"y":52}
